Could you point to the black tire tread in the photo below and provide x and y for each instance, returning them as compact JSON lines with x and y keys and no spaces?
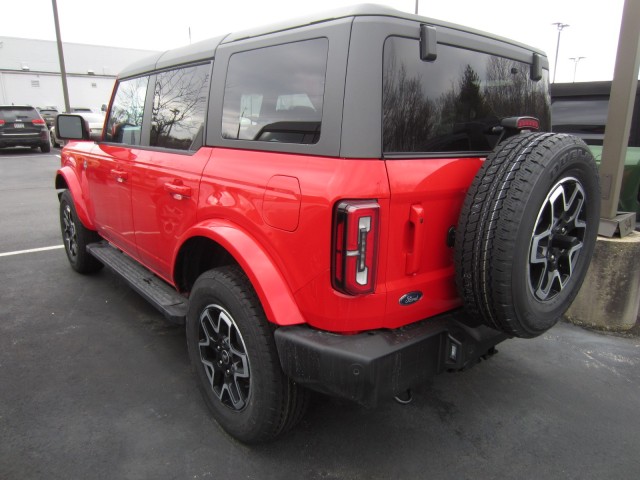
{"x":289,"y":400}
{"x":84,"y":262}
{"x":488,"y":225}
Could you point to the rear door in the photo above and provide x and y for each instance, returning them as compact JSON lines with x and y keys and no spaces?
{"x":166,"y":177}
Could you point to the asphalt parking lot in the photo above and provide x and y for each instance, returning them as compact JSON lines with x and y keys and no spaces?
{"x":94,"y":384}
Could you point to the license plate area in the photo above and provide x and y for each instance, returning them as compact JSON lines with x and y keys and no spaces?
{"x":18,"y":125}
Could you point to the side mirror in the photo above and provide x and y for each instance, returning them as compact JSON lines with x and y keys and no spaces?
{"x":71,"y":127}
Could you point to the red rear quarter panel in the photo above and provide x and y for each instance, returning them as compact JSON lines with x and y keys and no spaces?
{"x":239,"y":186}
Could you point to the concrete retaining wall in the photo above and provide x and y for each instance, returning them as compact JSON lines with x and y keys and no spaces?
{"x":610,"y":296}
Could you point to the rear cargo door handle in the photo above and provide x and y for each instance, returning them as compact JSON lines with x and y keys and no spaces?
{"x":120,"y":175}
{"x":416,"y":235}
{"x":178,"y":192}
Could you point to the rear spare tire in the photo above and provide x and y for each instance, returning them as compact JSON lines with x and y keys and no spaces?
{"x":526,"y":232}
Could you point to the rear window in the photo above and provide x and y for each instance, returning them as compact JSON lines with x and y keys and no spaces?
{"x":11,"y":114}
{"x":179,"y":104}
{"x":275,"y":94}
{"x":453,"y":103}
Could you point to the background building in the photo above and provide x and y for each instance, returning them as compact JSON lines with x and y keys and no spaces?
{"x":30,"y":72}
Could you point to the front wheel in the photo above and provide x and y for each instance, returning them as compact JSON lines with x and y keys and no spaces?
{"x":76,"y":237}
{"x":234,"y":357}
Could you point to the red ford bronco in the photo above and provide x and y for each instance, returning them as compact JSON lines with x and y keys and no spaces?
{"x":350,"y":204}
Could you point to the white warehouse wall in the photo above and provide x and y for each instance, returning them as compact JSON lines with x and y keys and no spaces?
{"x":30,"y":74}
{"x":44,"y":90}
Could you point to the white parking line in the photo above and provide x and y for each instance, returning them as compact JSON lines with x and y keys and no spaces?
{"x":33,"y":250}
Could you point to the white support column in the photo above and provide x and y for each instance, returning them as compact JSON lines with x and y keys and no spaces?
{"x":623,"y":94}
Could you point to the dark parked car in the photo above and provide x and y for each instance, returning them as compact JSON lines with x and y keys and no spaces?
{"x":49,"y":115}
{"x":22,"y":126}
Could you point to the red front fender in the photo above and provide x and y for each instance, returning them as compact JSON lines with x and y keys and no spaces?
{"x":66,"y":178}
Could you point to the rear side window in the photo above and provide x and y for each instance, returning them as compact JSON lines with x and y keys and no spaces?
{"x":12,"y":114}
{"x":179,"y":104}
{"x":453,"y":103}
{"x":275,"y":94}
{"x":125,"y":119}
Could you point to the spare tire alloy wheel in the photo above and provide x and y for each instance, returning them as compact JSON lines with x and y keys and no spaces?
{"x":526,"y":232}
{"x":558,"y":239}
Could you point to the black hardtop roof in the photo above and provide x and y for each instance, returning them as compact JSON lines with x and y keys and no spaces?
{"x":205,"y":49}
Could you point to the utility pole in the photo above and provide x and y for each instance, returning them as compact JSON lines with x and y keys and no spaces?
{"x":63,"y":71}
{"x":561,"y":26}
{"x":417,"y":6}
{"x":576,"y":60}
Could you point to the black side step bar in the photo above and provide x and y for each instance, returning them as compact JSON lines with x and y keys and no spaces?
{"x":160,"y":294}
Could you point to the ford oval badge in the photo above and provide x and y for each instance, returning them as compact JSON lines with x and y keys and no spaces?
{"x":410,"y":298}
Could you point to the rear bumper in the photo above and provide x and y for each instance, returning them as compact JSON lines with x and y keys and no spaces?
{"x":23,"y":140}
{"x":382,"y":363}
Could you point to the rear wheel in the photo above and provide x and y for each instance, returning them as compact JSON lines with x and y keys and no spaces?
{"x":527,"y":231}
{"x":45,"y":147}
{"x":76,"y":237}
{"x":234,"y":358}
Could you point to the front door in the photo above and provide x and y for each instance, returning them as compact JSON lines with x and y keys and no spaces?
{"x":109,"y":167}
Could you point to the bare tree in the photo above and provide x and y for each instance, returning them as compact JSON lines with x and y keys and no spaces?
{"x":407,"y":114}
{"x":178,"y":106}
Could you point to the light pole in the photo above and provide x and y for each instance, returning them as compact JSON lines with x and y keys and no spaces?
{"x":63,"y":71}
{"x":417,"y":6}
{"x":575,"y":66}
{"x":561,"y":26}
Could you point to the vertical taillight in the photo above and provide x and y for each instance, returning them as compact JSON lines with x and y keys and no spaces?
{"x":355,"y":246}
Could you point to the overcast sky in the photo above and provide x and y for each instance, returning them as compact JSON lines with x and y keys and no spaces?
{"x":161,"y":24}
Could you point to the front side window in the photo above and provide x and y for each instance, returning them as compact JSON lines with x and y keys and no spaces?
{"x":125,"y":119}
{"x":179,"y":104}
{"x":275,"y":94}
{"x":454,"y":103}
